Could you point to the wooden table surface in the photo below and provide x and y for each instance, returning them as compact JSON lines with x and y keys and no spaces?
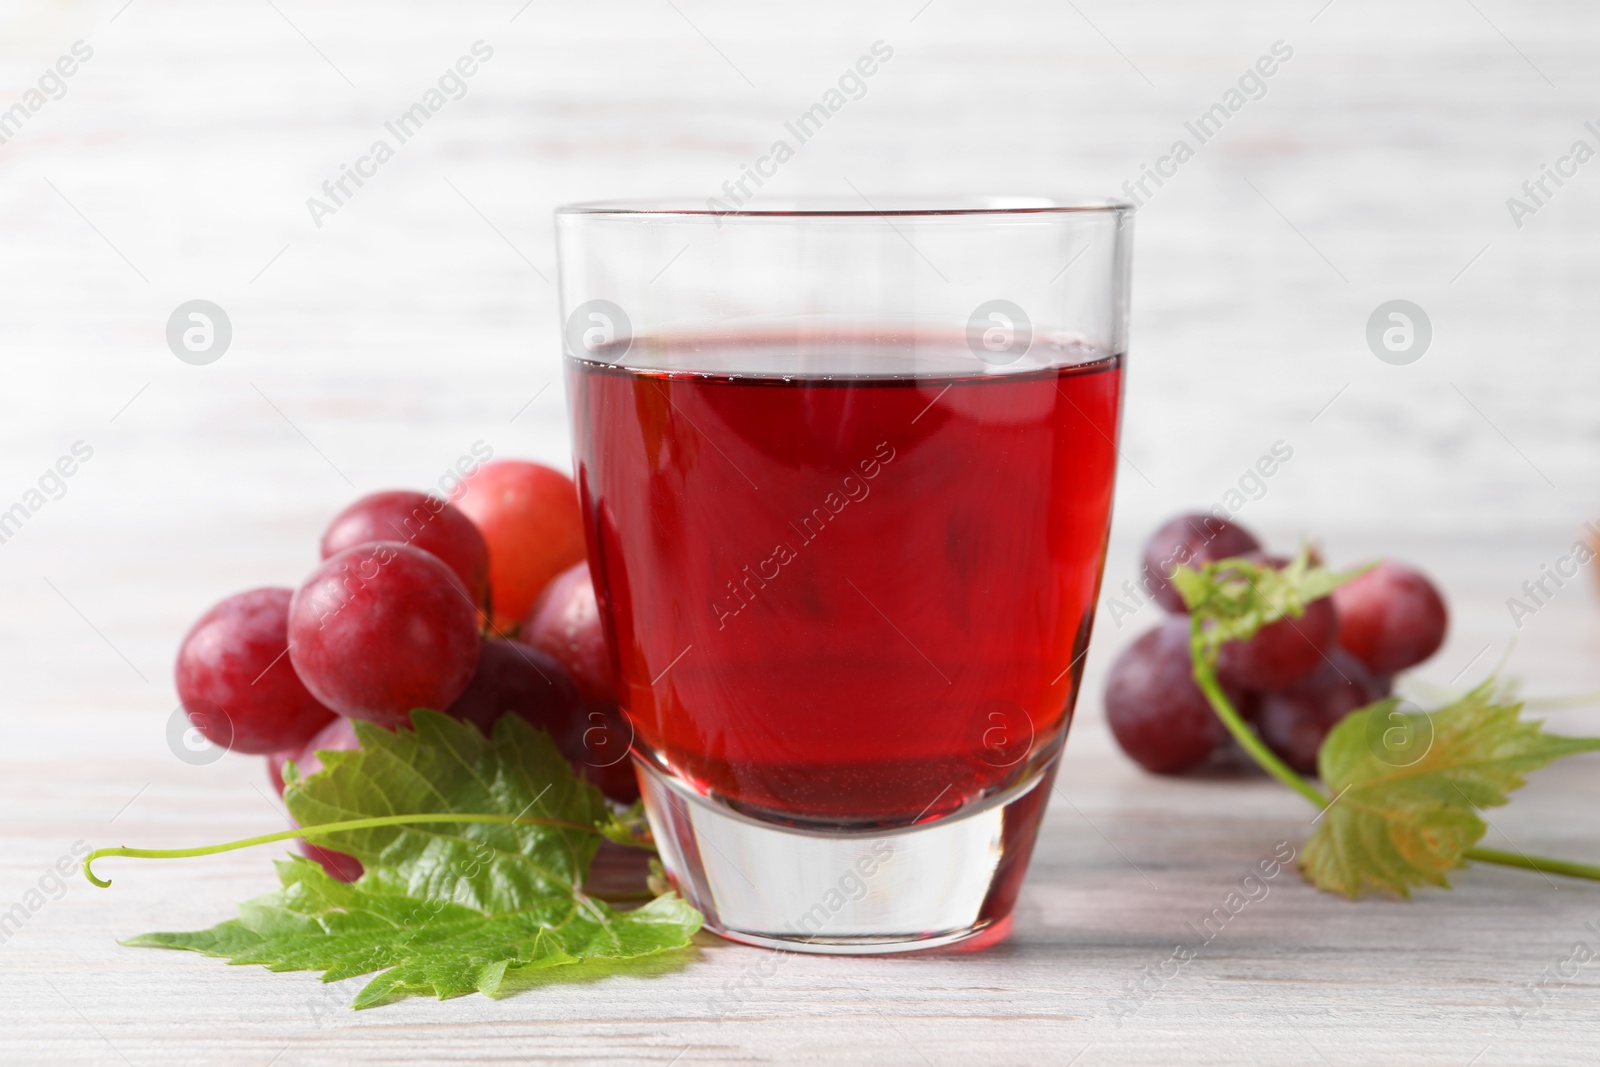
{"x":418,"y":319}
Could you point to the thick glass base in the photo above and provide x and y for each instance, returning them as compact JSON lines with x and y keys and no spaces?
{"x":847,"y":892}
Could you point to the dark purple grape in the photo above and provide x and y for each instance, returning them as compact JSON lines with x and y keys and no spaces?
{"x":594,"y":736}
{"x":1190,"y":540}
{"x":1391,"y":617}
{"x":421,"y":521}
{"x":1294,"y":722}
{"x":237,"y":684}
{"x":1156,"y":712}
{"x":1247,"y":704}
{"x":512,"y":677}
{"x":383,"y":628}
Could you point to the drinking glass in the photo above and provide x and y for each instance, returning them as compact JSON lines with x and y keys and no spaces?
{"x":846,"y":475}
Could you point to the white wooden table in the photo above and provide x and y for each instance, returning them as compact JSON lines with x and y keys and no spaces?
{"x":417,"y":319}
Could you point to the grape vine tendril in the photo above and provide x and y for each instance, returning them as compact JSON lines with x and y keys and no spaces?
{"x":320,"y":830}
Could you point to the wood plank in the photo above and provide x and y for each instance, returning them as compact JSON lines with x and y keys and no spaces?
{"x":419,"y":319}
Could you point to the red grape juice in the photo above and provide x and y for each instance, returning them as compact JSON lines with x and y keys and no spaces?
{"x":848,"y":586}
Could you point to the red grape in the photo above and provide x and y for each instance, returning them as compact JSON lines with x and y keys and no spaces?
{"x":1294,"y":722}
{"x":238,"y":686}
{"x":1190,"y":540}
{"x":422,"y":521}
{"x":1156,"y":711}
{"x":511,"y":677}
{"x":338,"y":736}
{"x":382,"y":628}
{"x":1391,"y":617}
{"x":1283,"y":652}
{"x":529,"y":516}
{"x":565,"y":623}
{"x":275,"y":762}
{"x":340,"y":865}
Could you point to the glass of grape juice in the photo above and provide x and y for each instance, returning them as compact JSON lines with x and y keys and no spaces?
{"x":846,"y":476}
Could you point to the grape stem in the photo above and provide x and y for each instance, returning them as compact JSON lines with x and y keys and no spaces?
{"x":1205,"y":676}
{"x":321,"y":830}
{"x":1535,"y":863}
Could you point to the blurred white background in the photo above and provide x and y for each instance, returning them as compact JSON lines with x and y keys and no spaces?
{"x":372,"y":351}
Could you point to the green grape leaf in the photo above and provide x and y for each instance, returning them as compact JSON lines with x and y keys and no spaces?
{"x":1407,"y":787}
{"x":443,"y":908}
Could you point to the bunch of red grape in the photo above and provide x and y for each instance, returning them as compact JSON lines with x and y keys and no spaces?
{"x":414,"y":606}
{"x":1293,"y":680}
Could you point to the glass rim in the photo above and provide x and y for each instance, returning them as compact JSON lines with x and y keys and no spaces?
{"x":825,"y":207}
